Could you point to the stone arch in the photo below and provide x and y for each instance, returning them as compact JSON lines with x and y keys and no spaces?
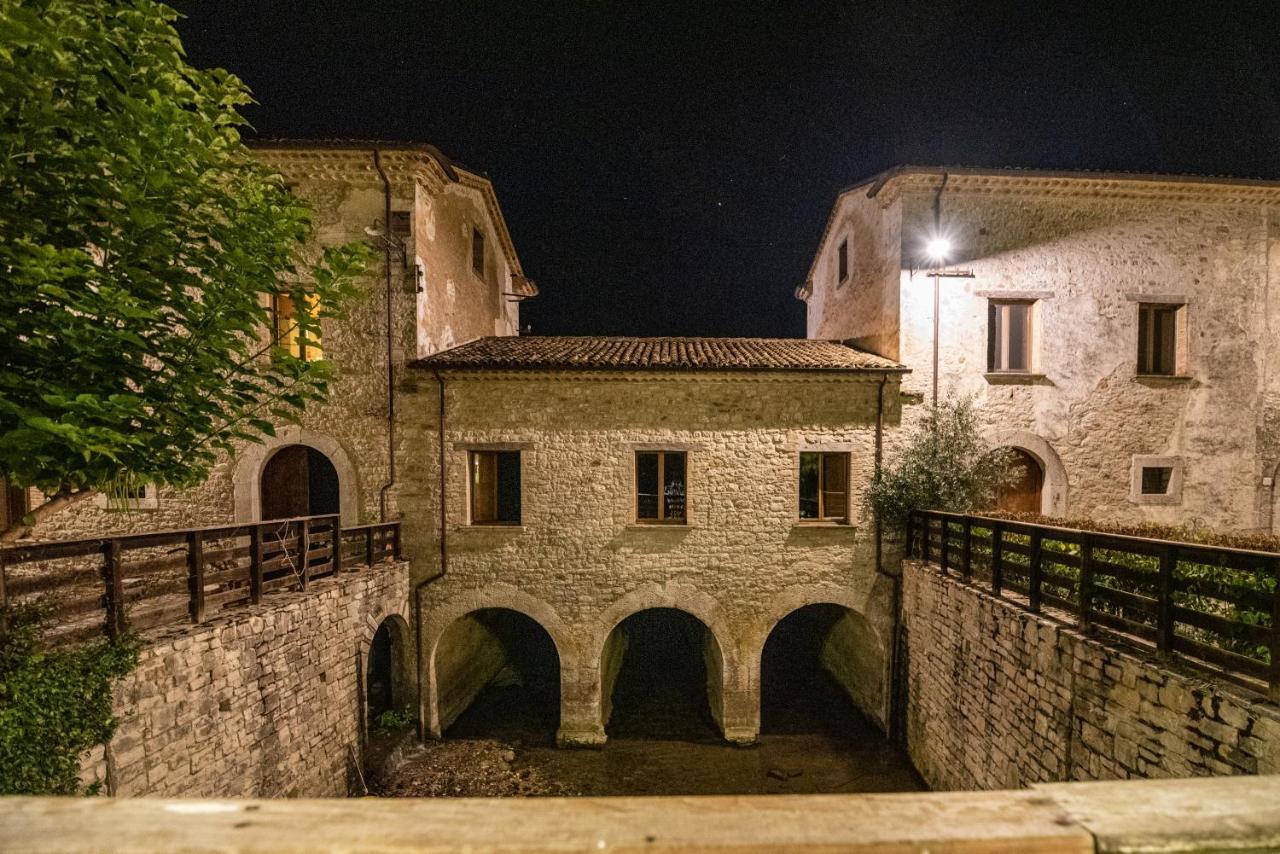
{"x":1053,"y":498}
{"x":730,"y":709}
{"x":402,"y":687}
{"x":498,"y":596}
{"x":250,"y":461}
{"x":793,"y":599}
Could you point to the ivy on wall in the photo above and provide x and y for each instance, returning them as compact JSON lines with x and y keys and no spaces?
{"x":54,"y":706}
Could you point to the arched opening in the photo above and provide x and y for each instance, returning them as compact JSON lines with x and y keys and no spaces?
{"x":298,"y":480}
{"x":497,"y":674}
{"x":388,"y":678}
{"x":1020,"y":491}
{"x":662,"y":676}
{"x":822,"y":670}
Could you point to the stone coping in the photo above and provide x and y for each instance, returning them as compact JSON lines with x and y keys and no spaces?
{"x":1236,"y":814}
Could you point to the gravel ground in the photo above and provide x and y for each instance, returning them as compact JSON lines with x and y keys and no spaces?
{"x":465,"y":768}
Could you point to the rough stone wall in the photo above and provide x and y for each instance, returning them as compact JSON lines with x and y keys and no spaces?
{"x":578,"y":564}
{"x":453,"y":307}
{"x":1087,"y":249}
{"x":1002,"y":698}
{"x":264,"y":702}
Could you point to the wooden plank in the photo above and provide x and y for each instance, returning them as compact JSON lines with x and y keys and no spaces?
{"x":1234,"y":629}
{"x":1227,"y":660}
{"x":195,"y":575}
{"x":1125,"y":626}
{"x":1164,"y":616}
{"x":1146,"y":605}
{"x":113,"y":579}
{"x":1232,"y":594}
{"x":1123,"y":573}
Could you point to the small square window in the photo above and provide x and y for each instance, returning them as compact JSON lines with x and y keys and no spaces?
{"x":1155,"y":479}
{"x":824,"y":486}
{"x":842,"y":259}
{"x":660,"y":487}
{"x":1158,"y":339}
{"x":477,"y":251}
{"x":494,"y":478}
{"x":1009,"y":329}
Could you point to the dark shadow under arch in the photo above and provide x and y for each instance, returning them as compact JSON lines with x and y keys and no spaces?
{"x":388,"y":677}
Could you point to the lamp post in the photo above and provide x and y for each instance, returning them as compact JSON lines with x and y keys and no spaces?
{"x":938,"y":248}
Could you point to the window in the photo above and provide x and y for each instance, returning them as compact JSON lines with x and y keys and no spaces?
{"x":401,"y":224}
{"x":284,"y":313}
{"x":132,"y":497}
{"x":477,"y":251}
{"x":495,"y":487}
{"x":1009,"y":336}
{"x":842,"y":259}
{"x":824,"y":486}
{"x":1155,"y":479}
{"x":1158,"y":339}
{"x":13,"y":503}
{"x":660,"y":487}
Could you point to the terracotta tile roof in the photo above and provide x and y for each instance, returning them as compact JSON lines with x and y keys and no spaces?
{"x":658,"y":354}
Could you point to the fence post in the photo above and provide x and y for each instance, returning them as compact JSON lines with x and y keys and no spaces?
{"x":1164,"y":621}
{"x":996,"y":579}
{"x":1035,"y":570}
{"x":1086,"y":582}
{"x":255,"y":564}
{"x":113,"y":601}
{"x":926,"y":522}
{"x":304,"y":549}
{"x":944,"y":544}
{"x":395,"y":540}
{"x":966,"y":550}
{"x":1273,"y":681}
{"x":368,"y":546}
{"x":4,"y":597}
{"x":911,"y":534}
{"x":195,"y":575}
{"x":337,"y":545}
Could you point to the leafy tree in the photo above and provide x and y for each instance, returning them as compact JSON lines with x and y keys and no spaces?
{"x":141,"y":245}
{"x":944,"y":465}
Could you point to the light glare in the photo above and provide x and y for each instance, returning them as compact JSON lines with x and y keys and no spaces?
{"x":938,"y":248}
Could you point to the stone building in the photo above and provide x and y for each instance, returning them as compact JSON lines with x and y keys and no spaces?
{"x":448,"y":275}
{"x":581,"y":484}
{"x":1117,"y":331}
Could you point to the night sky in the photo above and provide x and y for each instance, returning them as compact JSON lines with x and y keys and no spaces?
{"x":668,"y":170}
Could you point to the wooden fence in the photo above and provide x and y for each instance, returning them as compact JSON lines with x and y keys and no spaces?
{"x":1210,"y":605}
{"x":113,"y":585}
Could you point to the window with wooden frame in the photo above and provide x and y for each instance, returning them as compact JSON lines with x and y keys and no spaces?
{"x":494,"y":483}
{"x":1009,"y":332}
{"x":1158,"y":338}
{"x":284,"y":314}
{"x":661,"y":481}
{"x":477,"y":252}
{"x":842,"y":261}
{"x":824,"y":486}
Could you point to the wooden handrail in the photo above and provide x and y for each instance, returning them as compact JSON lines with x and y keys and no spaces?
{"x":1138,"y":603}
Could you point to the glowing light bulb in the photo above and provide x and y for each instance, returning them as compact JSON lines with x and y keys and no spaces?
{"x":938,"y":248}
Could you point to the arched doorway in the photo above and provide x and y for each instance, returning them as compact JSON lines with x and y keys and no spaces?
{"x":388,"y":680}
{"x":497,"y":675}
{"x":662,"y":675}
{"x":298,"y":480}
{"x":1021,"y":489}
{"x":822,"y":670}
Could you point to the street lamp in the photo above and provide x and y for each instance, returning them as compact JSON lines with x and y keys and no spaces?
{"x":938,"y":249}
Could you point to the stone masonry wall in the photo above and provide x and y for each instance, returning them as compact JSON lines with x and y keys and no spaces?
{"x":578,"y":564}
{"x":264,"y":702}
{"x":1002,"y":698}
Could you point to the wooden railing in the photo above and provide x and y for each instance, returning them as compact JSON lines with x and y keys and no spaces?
{"x":1208,"y":604}
{"x":113,"y":585}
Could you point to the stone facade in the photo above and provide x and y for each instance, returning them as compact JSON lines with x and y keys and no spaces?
{"x":1087,"y":249}
{"x":1003,"y":698}
{"x":265,"y":702}
{"x":438,"y":300}
{"x":578,"y":564}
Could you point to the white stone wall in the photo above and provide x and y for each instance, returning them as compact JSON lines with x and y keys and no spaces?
{"x":263,"y":701}
{"x":578,"y":565}
{"x":1000,"y":698}
{"x":1089,"y":249}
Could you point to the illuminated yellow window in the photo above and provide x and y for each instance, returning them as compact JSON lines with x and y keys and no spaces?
{"x":286,"y":328}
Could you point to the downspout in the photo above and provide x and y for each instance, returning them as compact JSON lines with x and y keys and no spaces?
{"x":444,"y":557}
{"x":391,"y":377}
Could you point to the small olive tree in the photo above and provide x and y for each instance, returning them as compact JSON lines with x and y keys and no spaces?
{"x":944,"y":465}
{"x":141,"y":245}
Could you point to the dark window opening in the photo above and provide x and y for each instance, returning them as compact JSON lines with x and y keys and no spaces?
{"x":1158,"y":339}
{"x":401,"y":224}
{"x":477,"y":251}
{"x":843,"y":259}
{"x":1155,"y":480}
{"x":1009,"y":336}
{"x":660,"y":487}
{"x":495,"y":487}
{"x":380,"y":687}
{"x":824,"y":486}
{"x":13,"y":504}
{"x":299,"y":481}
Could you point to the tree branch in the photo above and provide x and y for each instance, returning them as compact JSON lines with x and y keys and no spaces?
{"x":59,"y":502}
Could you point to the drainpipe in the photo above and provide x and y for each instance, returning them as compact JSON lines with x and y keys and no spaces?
{"x":444,"y":556}
{"x":895,"y":579}
{"x":391,"y":378}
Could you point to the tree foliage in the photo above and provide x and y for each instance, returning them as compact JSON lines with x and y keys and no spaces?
{"x":140,"y":247}
{"x":943,"y":465}
{"x":54,"y":706}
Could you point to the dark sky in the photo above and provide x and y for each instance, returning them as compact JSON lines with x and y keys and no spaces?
{"x":668,"y":169}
